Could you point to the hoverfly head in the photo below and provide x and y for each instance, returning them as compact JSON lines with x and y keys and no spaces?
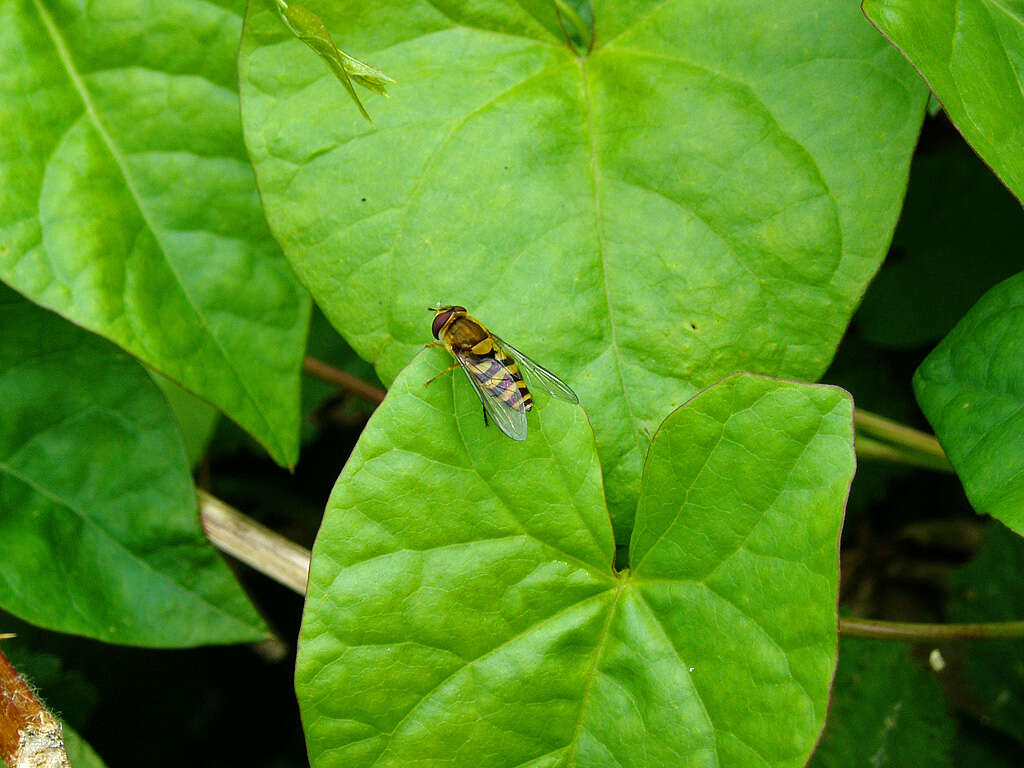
{"x":442,"y":317}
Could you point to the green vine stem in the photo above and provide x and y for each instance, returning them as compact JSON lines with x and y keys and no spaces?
{"x":921,"y":632}
{"x":869,"y":448}
{"x":875,"y":426}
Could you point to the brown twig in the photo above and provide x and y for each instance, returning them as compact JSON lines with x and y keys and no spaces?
{"x":342,"y":380}
{"x":29,"y":735}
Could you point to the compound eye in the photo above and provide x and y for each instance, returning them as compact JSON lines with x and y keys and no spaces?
{"x":440,"y":319}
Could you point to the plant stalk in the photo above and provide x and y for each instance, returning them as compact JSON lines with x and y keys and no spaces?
{"x":257,"y":546}
{"x":869,"y":448}
{"x":343,"y":380}
{"x":921,"y":632}
{"x":894,"y":432}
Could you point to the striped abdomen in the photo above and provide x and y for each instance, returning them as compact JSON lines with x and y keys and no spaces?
{"x":500,"y":376}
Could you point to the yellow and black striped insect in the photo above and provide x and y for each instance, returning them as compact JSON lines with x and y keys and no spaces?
{"x":495,"y":368}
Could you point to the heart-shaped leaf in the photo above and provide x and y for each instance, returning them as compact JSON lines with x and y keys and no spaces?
{"x":462,"y":605}
{"x":969,"y":51}
{"x":971,"y":388}
{"x":128,"y":204}
{"x":708,"y":189}
{"x":99,"y":531}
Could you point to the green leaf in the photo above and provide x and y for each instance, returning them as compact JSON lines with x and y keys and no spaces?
{"x":971,"y":388}
{"x":462,"y":606}
{"x":709,"y":190}
{"x":99,"y":530}
{"x":80,"y":754}
{"x":196,"y":418}
{"x":886,"y":711}
{"x":954,"y":207}
{"x":969,"y":52}
{"x":989,"y":588}
{"x":975,"y":746}
{"x":128,"y":204}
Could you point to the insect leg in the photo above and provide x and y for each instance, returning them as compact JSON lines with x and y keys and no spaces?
{"x":451,"y":367}
{"x":485,"y":415}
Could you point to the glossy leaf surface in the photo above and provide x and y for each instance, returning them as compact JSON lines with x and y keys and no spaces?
{"x":969,"y":52}
{"x":128,"y":205}
{"x":99,"y":530}
{"x":971,"y":388}
{"x":463,"y":609}
{"x":708,"y":190}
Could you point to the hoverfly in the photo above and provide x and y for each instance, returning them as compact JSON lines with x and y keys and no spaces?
{"x":495,"y":368}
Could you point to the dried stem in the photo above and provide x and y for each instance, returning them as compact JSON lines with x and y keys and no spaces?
{"x":255,"y":545}
{"x":342,"y":380}
{"x":30,"y":737}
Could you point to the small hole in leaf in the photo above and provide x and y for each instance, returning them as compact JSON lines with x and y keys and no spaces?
{"x":621,"y":558}
{"x":693,"y":326}
{"x":364,"y":199}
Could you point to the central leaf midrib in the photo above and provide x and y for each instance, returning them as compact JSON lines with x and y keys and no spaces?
{"x":675,"y":651}
{"x":415,"y":191}
{"x":599,"y":230}
{"x":574,"y":739}
{"x":91,"y":112}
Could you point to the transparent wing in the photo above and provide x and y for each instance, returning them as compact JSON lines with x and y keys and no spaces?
{"x":538,"y":375}
{"x":510,"y":419}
